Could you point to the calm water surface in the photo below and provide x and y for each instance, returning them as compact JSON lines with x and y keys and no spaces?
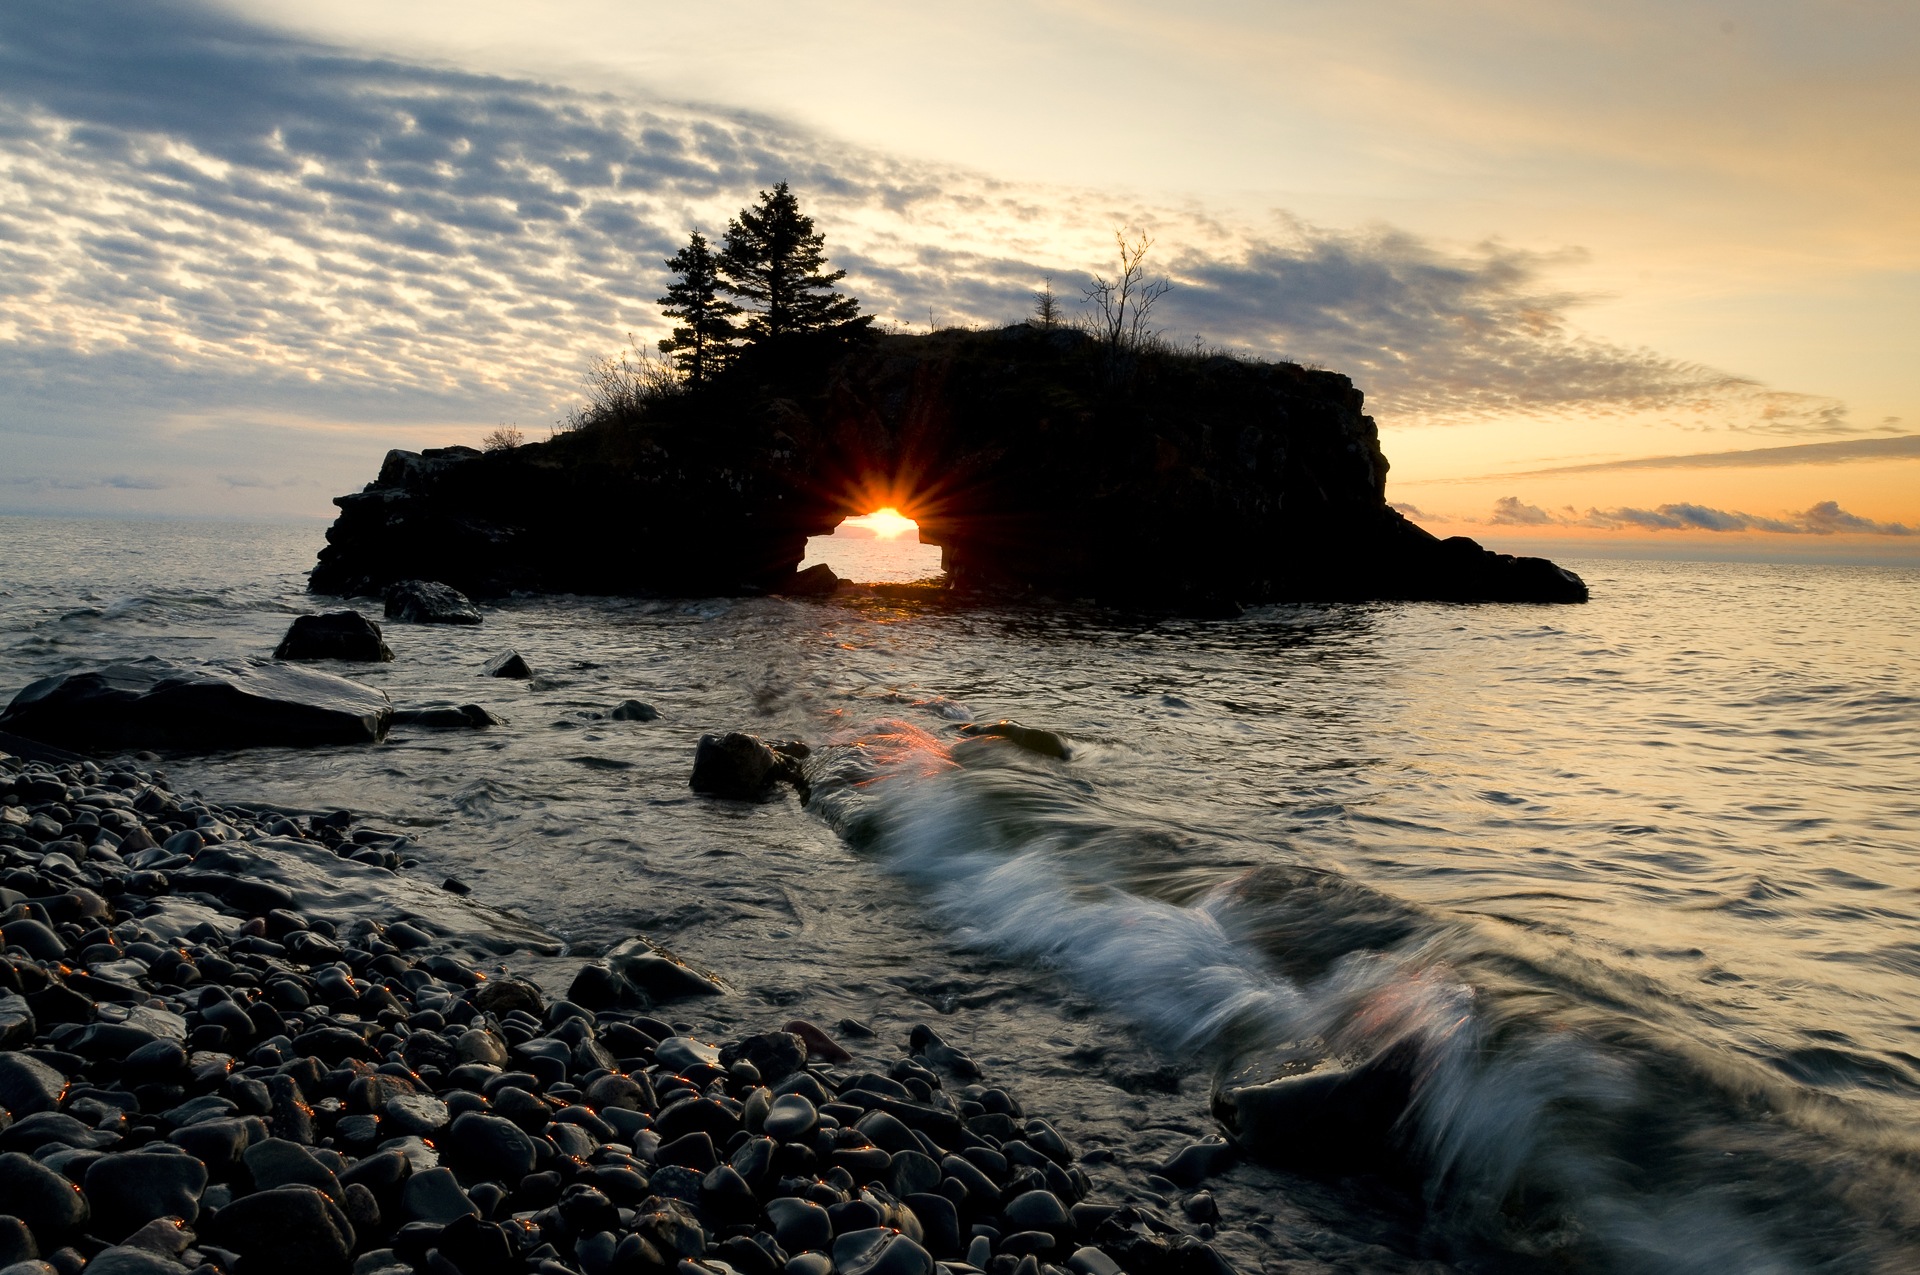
{"x":1633,"y":885}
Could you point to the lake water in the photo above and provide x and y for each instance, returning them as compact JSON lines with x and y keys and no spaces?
{"x":1631,"y":889}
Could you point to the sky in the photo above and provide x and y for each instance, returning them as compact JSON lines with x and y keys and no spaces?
{"x":1616,"y":277}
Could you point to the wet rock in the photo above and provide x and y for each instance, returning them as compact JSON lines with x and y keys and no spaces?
{"x":741,"y":767}
{"x":508,"y":664}
{"x":277,"y":1162}
{"x":1038,"y":1211}
{"x":51,"y":1206}
{"x":337,"y":635}
{"x":128,"y":1260}
{"x":36,"y":939}
{"x":799,"y":1224}
{"x":28,"y":1085}
{"x":633,"y":710}
{"x":1333,"y":1119}
{"x":790,"y":1118}
{"x":155,"y":703}
{"x":504,"y":995}
{"x":17,"y":1023}
{"x":129,"y":1190}
{"x":880,"y":1251}
{"x":418,"y":1114}
{"x":774,"y":1055}
{"x":638,"y":974}
{"x":489,"y":1149}
{"x":817,"y":581}
{"x":1031,"y":738}
{"x":818,"y":1044}
{"x":294,"y":1229}
{"x":16,"y":1241}
{"x":434,"y":1195}
{"x":428,"y":602}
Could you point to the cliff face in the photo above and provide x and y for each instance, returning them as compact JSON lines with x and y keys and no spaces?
{"x":1177,"y":482}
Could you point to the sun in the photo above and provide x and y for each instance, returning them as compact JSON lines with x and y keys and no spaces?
{"x":887,"y":523}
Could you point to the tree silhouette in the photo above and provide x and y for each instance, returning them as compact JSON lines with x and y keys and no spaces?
{"x":708,"y":332}
{"x":775,"y":260}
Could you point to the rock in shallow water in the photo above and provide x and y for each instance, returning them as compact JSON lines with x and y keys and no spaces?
{"x":740,"y":766}
{"x":337,"y":635}
{"x":508,"y":664}
{"x":428,"y":602}
{"x":156,"y":703}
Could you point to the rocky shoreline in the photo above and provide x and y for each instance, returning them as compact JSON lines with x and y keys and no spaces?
{"x":245,"y":1040}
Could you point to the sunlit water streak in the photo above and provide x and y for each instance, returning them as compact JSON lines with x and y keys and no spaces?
{"x":1635,"y":882}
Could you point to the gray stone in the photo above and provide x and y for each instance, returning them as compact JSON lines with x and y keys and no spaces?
{"x":799,"y":1224}
{"x":1038,"y":1211}
{"x":52,"y":1207}
{"x":37,"y":940}
{"x":127,"y":1191}
{"x":434,"y":1195}
{"x":127,"y":1260}
{"x":277,"y":1162}
{"x":880,"y":1251}
{"x":428,"y":602}
{"x":292,"y":1229}
{"x":28,"y":1085}
{"x":338,"y":635}
{"x":791,"y":1118}
{"x":17,"y":1024}
{"x":488,"y":1149}
{"x":633,"y":710}
{"x":414,"y":1113}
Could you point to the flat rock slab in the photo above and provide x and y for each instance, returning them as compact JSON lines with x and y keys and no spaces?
{"x":157,"y":703}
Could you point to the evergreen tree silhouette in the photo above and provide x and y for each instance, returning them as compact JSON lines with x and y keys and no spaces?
{"x":775,"y":260}
{"x":705,"y":340}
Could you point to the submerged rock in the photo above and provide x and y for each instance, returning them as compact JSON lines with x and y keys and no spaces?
{"x":633,"y":710}
{"x":1031,"y":738}
{"x":428,"y":602}
{"x":465,"y":717}
{"x":337,"y":635}
{"x":156,"y":703}
{"x":1334,"y":1118}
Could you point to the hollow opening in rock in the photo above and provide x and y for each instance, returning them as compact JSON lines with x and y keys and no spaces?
{"x":879,"y":547}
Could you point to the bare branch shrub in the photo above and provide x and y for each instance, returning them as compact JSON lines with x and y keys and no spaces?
{"x":1123,"y":304}
{"x":503,"y":439}
{"x":625,"y":386}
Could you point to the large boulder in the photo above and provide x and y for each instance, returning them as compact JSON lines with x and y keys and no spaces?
{"x":429,"y":602}
{"x":337,"y":635}
{"x":156,"y":703}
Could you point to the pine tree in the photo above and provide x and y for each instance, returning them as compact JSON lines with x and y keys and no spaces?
{"x":775,"y":260}
{"x":704,"y":341}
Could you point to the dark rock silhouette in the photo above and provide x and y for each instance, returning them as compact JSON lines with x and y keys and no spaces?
{"x":338,"y":635}
{"x":1175,"y":483}
{"x":744,"y":767}
{"x":155,"y":703}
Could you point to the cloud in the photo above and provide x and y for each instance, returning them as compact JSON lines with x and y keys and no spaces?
{"x":66,"y":482}
{"x":199,"y":215}
{"x":1843,"y":451}
{"x":1823,"y":519}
